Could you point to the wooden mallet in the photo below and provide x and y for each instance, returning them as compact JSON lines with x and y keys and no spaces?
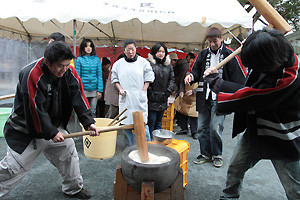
{"x":271,"y":15}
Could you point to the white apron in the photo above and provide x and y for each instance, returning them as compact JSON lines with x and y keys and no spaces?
{"x":132,"y":77}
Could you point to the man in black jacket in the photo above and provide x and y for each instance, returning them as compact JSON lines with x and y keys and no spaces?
{"x":210,"y":124}
{"x":47,"y":92}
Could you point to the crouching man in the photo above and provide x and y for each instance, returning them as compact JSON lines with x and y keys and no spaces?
{"x":47,"y":92}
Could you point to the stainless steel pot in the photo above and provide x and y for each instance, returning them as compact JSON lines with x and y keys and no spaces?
{"x":162,"y":136}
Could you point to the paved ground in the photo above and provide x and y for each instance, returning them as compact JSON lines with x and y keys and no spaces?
{"x":204,"y":182}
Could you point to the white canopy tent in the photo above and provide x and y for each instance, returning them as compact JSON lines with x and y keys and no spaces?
{"x":180,"y":24}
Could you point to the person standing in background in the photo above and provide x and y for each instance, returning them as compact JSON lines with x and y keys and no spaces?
{"x":162,"y":86}
{"x":112,"y":96}
{"x":185,"y":102}
{"x":132,"y":75}
{"x":210,"y":124}
{"x":57,"y":36}
{"x":190,"y":57}
{"x":180,"y":68}
{"x":101,"y":105}
{"x":89,"y":68}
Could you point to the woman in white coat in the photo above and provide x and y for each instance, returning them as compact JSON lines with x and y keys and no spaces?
{"x":132,"y":75}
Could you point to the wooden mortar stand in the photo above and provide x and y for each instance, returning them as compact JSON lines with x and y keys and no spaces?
{"x":123,"y":191}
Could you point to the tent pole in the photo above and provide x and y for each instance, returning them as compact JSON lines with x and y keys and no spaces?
{"x":74,"y":37}
{"x":114,"y":41}
{"x":61,"y":29}
{"x":237,"y":39}
{"x":29,"y":50}
{"x":74,"y":51}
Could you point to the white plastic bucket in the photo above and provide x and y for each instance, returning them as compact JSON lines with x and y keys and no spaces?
{"x":103,"y":146}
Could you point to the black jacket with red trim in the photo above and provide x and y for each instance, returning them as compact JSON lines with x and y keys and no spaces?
{"x":42,"y":103}
{"x":233,"y":71}
{"x":268,"y":108}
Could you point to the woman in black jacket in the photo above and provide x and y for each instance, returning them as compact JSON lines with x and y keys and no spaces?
{"x":161,"y":88}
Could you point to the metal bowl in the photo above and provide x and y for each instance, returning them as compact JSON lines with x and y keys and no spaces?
{"x":162,"y":136}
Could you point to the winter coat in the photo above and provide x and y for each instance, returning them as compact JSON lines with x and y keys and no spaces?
{"x":233,"y":71}
{"x":105,"y":73}
{"x":90,"y":71}
{"x":163,"y":85}
{"x":180,"y":71}
{"x":111,"y":92}
{"x":42,"y":103}
{"x":268,"y":108}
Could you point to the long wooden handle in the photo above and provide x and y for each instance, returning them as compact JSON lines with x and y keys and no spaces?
{"x":228,"y":58}
{"x":7,"y":96}
{"x":101,"y":130}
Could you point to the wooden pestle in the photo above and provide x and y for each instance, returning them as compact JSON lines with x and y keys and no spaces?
{"x":140,"y":135}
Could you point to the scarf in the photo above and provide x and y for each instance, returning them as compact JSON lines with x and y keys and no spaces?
{"x":130,"y":59}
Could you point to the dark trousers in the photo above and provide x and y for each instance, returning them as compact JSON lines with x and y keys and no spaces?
{"x":183,"y":121}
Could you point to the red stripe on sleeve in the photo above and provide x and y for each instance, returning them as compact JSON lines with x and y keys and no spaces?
{"x":33,"y":79}
{"x":288,"y":78}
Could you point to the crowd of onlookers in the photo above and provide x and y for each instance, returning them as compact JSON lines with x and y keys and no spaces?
{"x":168,"y":81}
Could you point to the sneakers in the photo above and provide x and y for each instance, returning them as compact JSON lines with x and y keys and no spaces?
{"x":201,"y":159}
{"x":83,"y":194}
{"x":218,"y":162}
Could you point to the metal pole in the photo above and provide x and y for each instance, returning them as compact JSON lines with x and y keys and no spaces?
{"x":29,"y":51}
{"x":74,"y":37}
{"x":74,"y":51}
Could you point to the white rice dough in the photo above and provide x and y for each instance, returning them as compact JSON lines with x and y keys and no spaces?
{"x":153,"y":159}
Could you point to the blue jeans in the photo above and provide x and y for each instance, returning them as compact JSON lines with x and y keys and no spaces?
{"x":155,"y":120}
{"x":288,"y":171}
{"x":93,"y":103}
{"x":129,"y":138}
{"x":210,"y":128}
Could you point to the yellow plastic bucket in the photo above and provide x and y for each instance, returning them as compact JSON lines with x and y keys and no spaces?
{"x":103,"y":146}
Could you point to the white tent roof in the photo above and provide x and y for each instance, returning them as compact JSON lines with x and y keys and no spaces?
{"x":180,"y":24}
